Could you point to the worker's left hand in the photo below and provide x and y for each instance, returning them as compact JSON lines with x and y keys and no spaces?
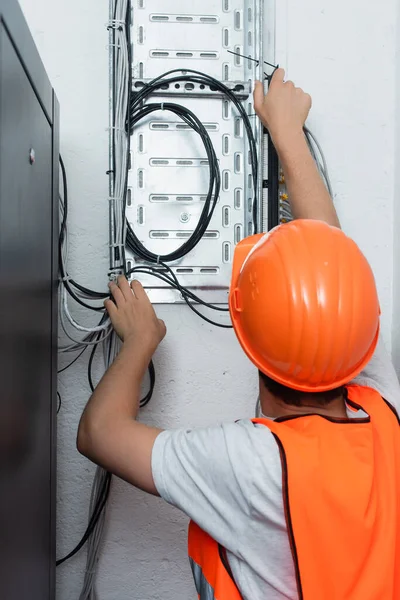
{"x":133,"y":315}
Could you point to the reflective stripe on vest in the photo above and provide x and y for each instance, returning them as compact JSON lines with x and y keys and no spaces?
{"x":204,"y":589}
{"x":341,"y":494}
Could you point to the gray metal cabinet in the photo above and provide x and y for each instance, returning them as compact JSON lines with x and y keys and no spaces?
{"x":28,"y":313}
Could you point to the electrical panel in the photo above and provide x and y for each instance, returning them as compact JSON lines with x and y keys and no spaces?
{"x":168,"y":174}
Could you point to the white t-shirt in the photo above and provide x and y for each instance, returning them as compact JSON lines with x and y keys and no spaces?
{"x":228,"y":479}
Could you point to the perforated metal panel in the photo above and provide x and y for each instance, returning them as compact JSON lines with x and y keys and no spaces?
{"x":169,"y":176}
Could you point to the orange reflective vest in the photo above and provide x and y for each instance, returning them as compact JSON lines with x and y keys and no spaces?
{"x":341,"y":494}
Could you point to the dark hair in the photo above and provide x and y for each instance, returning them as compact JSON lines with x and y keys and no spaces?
{"x":296,"y":398}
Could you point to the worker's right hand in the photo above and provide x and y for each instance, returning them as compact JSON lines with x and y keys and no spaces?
{"x":284,"y":109}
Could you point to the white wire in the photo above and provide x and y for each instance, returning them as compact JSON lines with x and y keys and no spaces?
{"x":74,"y":323}
{"x":110,"y":351}
{"x":111,"y":345}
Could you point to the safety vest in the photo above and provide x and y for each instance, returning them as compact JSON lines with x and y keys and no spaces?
{"x":341,"y":494}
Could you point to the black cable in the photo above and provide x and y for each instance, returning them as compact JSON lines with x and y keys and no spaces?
{"x":90,"y":364}
{"x":59,"y":402}
{"x":66,"y":280}
{"x":188,"y":296}
{"x":98,"y":509}
{"x":213,"y":190}
{"x":138,"y":110}
{"x":73,"y":362}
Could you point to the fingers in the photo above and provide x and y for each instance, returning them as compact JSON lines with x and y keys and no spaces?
{"x":258,"y":95}
{"x":117,"y":294}
{"x":110,"y":308}
{"x":163,"y":328}
{"x":138,"y":290}
{"x":278,"y":76}
{"x":124,"y":287}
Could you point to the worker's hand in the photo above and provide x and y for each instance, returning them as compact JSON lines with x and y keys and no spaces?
{"x":284,"y":109}
{"x":133,"y":316}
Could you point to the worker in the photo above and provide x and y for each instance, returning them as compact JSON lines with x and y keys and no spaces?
{"x":304,"y":501}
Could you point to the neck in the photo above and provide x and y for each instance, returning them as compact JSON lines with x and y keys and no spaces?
{"x":274,"y":407}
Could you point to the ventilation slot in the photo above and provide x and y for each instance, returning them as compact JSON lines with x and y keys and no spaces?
{"x":140,"y":142}
{"x":225,"y":38}
{"x":140,"y":179}
{"x":237,"y":58}
{"x":249,"y":39}
{"x":225,"y":5}
{"x":226,"y":72}
{"x":226,"y":216}
{"x":250,"y":63}
{"x":250,"y":205}
{"x":238,"y":127}
{"x":226,"y":252}
{"x":140,"y":215}
{"x":225,"y":180}
{"x":140,"y":3}
{"x":184,"y":271}
{"x":128,"y":265}
{"x":159,"y":126}
{"x":189,"y":86}
{"x":159,"y":54}
{"x":208,"y":20}
{"x":140,"y":35}
{"x":184,"y":198}
{"x":225,"y":109}
{"x":238,"y":162}
{"x":238,"y":20}
{"x":238,"y":233}
{"x":249,"y":15}
{"x":129,"y":197}
{"x":250,"y":228}
{"x":250,"y":182}
{"x":184,"y":163}
{"x":211,"y":234}
{"x":183,"y":234}
{"x":159,"y":198}
{"x":209,"y":270}
{"x":184,"y":54}
{"x":184,"y":19}
{"x":238,"y":198}
{"x":204,"y":163}
{"x":159,"y":162}
{"x":208,"y":55}
{"x":159,"y":18}
{"x":141,"y":71}
{"x":159,"y":234}
{"x":225,"y":144}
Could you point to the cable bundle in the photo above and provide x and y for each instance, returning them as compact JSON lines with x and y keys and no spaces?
{"x":139,"y":110}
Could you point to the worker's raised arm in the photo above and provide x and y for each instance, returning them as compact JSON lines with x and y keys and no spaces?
{"x":284,"y":110}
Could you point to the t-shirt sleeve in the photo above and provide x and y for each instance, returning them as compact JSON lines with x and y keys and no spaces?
{"x":380,"y":375}
{"x":208,"y":474}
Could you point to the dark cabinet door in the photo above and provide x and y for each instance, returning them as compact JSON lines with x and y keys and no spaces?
{"x":26,"y":335}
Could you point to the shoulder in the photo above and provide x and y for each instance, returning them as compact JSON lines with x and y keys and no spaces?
{"x":380,"y":375}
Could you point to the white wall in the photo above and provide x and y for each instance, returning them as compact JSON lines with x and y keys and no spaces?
{"x":344,"y":54}
{"x":396,"y":223}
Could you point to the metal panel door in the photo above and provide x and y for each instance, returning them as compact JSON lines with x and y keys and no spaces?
{"x":26,"y":323}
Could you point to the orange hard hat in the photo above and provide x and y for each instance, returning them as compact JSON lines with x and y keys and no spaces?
{"x":304,"y":305}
